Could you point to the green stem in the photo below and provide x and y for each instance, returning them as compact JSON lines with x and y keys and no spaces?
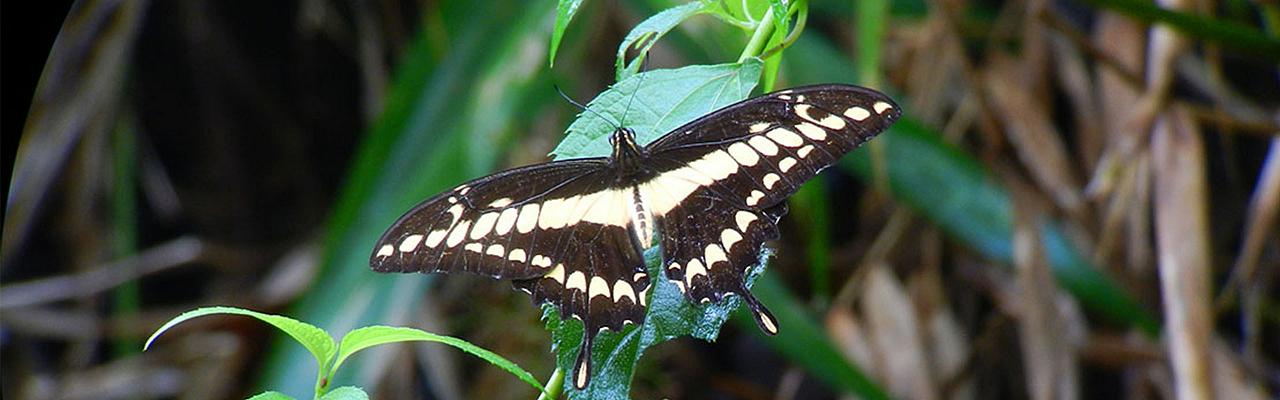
{"x":763,"y":30}
{"x":554,"y":384}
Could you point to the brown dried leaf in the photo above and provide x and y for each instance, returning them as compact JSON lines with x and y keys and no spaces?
{"x":1182,"y":229}
{"x":1031,"y":130}
{"x":894,"y":333}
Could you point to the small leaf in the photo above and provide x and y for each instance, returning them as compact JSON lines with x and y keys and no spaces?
{"x":346,"y":393}
{"x":564,"y":13}
{"x":655,"y":102}
{"x":370,"y":336}
{"x":271,"y":395}
{"x":643,"y":36}
{"x":319,"y":343}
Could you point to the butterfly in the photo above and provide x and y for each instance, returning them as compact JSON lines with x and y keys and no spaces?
{"x":572,"y":233}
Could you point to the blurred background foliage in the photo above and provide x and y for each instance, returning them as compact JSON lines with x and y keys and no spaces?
{"x":183,"y":154}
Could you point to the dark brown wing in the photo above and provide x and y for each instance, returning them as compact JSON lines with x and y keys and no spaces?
{"x":559,"y":230}
{"x":722,"y":179}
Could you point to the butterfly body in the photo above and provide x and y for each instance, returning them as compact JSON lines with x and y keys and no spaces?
{"x":573,"y":232}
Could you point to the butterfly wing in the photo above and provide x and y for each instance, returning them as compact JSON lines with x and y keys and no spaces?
{"x":561,"y":231}
{"x":722,"y":179}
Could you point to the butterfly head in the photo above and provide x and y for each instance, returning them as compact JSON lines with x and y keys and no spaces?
{"x":626,"y":154}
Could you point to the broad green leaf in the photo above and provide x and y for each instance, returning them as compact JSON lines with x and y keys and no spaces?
{"x":271,"y":395}
{"x":564,"y":13}
{"x":425,"y":140}
{"x":315,"y":340}
{"x":370,"y":336}
{"x":647,"y":33}
{"x":661,"y":100}
{"x":346,"y":393}
{"x":655,"y":102}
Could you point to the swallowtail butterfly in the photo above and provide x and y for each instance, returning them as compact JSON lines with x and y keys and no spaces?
{"x":572,"y":232}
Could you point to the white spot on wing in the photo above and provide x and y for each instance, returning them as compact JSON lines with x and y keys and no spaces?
{"x":474,"y":247}
{"x":503,"y":202}
{"x":693,"y":269}
{"x":506,"y":221}
{"x":410,"y":243}
{"x":609,"y":208}
{"x":728,"y":238}
{"x":557,"y":274}
{"x":622,"y":289}
{"x":528,"y":218}
{"x":484,"y":225}
{"x":386,"y":250}
{"x":743,"y":154}
{"x":759,"y":127}
{"x":755,"y":197}
{"x":804,"y":151}
{"x":881,"y":107}
{"x":763,"y":145}
{"x":785,"y":137}
{"x":577,"y":280}
{"x":541,"y":261}
{"x":786,"y":164}
{"x":857,"y":113}
{"x":516,"y":255}
{"x":555,"y":213}
{"x":744,"y":219}
{"x":714,"y":254}
{"x":770,"y":179}
{"x":457,"y":234}
{"x":717,"y":165}
{"x":496,"y":250}
{"x":434,"y":238}
{"x":599,"y":287}
{"x":812,"y":131}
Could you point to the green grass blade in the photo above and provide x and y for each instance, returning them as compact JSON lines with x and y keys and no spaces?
{"x":370,"y":336}
{"x":314,"y":339}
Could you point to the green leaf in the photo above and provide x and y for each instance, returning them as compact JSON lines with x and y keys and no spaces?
{"x":271,"y":395}
{"x":655,"y":102}
{"x":346,"y":393}
{"x":370,"y":336}
{"x":564,"y":13}
{"x":661,"y":100}
{"x":319,"y":343}
{"x":647,"y":33}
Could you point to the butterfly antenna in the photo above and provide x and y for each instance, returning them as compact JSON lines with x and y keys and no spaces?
{"x":584,"y":108}
{"x":643,"y":67}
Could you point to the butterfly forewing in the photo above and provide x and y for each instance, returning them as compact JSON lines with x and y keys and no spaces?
{"x":572,"y":233}
{"x":722,"y":179}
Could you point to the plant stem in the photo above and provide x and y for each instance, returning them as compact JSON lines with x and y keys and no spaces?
{"x":761,"y":35}
{"x":554,"y":384}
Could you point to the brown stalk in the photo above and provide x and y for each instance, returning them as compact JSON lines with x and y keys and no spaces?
{"x":1182,"y":228}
